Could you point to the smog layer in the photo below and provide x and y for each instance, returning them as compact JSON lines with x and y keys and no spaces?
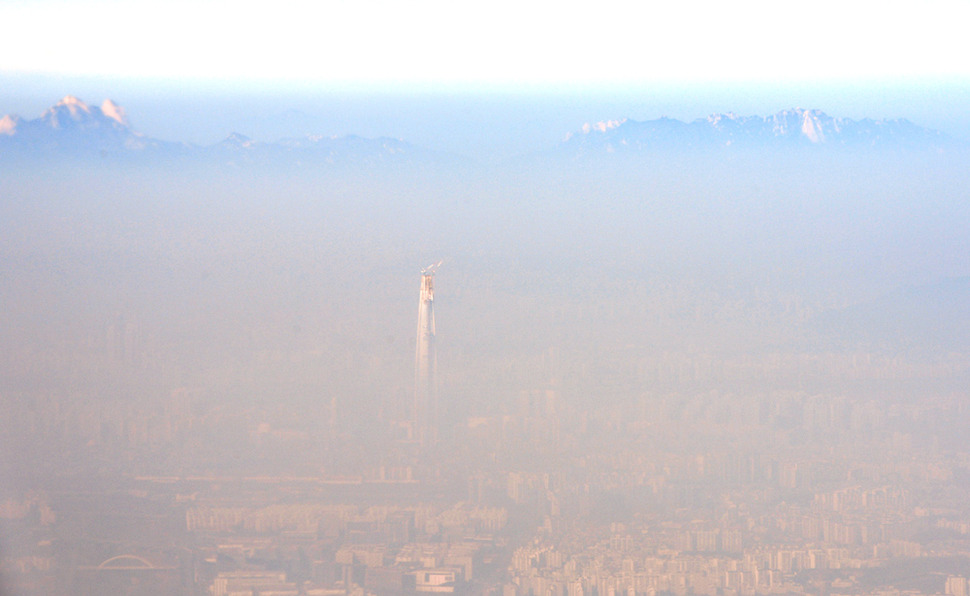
{"x":720,"y":355}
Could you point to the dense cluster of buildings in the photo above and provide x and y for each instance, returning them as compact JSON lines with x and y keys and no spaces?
{"x":675,"y":474}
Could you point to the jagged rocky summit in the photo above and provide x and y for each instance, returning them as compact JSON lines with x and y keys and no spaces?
{"x":72,"y":127}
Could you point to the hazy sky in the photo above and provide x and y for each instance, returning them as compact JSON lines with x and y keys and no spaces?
{"x":486,"y":43}
{"x":197,"y":70}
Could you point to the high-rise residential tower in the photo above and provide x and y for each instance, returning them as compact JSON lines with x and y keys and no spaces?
{"x":424,"y":419}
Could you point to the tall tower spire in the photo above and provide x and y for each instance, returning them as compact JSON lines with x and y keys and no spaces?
{"x":424,"y":422}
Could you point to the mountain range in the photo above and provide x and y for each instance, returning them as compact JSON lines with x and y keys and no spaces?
{"x":71,"y":129}
{"x":786,"y":129}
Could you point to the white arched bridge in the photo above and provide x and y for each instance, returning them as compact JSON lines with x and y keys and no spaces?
{"x":127,"y":563}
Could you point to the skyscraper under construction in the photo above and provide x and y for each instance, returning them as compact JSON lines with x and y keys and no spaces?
{"x":424,"y":418}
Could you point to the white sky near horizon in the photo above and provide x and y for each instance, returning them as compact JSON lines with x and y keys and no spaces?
{"x":502,"y":42}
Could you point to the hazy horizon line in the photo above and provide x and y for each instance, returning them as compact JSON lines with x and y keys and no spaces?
{"x":206,"y":111}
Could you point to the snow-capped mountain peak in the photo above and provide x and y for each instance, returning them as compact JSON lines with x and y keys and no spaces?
{"x":72,"y":113}
{"x":603,"y":126}
{"x":66,"y":112}
{"x":812,"y":127}
{"x":717,"y":119}
{"x":238,"y":140}
{"x":73,"y":106}
{"x":9,"y":123}
{"x":115,"y":112}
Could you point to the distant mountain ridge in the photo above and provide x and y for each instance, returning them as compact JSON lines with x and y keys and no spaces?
{"x":71,"y":129}
{"x":794,"y":127}
{"x":333,"y":150}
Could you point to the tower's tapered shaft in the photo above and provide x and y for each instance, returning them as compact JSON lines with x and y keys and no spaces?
{"x":425,"y":414}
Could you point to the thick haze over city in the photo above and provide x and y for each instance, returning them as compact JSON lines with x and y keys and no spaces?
{"x":692,"y":284}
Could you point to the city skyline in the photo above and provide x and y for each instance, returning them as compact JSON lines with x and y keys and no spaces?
{"x":704,"y":314}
